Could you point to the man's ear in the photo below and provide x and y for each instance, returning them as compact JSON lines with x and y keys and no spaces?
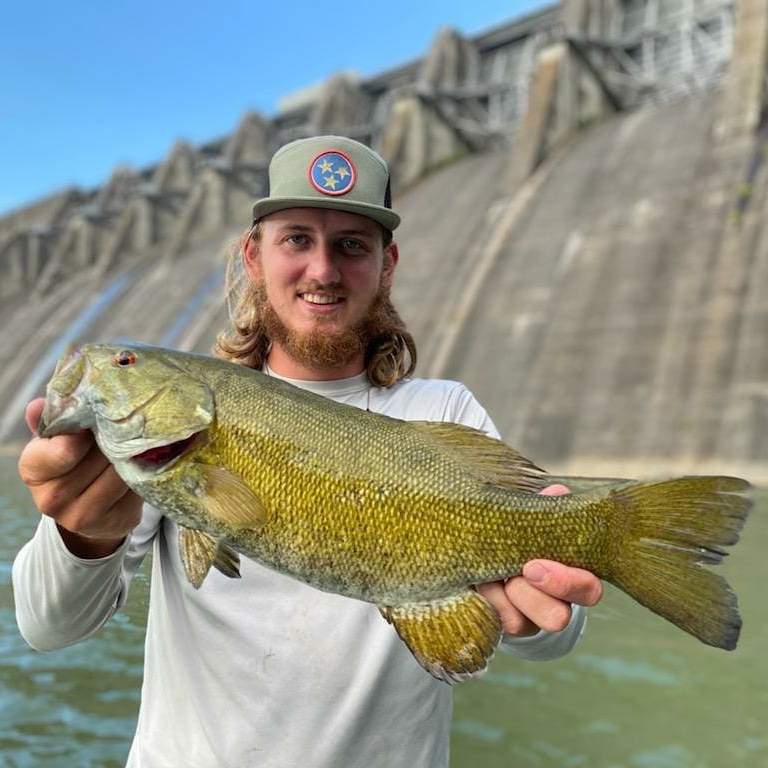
{"x":394,"y":253}
{"x":250,"y":249}
{"x":391,"y":257}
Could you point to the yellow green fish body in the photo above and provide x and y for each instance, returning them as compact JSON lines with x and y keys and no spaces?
{"x":406,"y":515}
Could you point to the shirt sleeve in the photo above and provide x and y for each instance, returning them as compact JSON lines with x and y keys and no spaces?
{"x":63,"y":599}
{"x":544,"y":646}
{"x":464,"y":408}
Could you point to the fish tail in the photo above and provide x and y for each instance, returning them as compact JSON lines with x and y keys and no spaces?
{"x":667,"y":533}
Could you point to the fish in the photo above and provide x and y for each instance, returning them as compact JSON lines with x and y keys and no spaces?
{"x":407,"y":515}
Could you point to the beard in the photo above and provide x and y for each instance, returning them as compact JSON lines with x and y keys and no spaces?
{"x":330,"y":348}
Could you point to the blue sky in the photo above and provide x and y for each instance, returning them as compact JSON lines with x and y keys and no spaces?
{"x":85,"y":86}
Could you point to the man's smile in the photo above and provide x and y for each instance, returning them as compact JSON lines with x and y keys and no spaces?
{"x":321,"y":298}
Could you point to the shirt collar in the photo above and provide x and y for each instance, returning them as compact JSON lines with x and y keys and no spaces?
{"x":332,"y":388}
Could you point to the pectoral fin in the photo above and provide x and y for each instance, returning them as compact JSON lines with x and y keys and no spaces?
{"x":199,"y":552}
{"x":452,"y":638}
{"x":230,"y":500}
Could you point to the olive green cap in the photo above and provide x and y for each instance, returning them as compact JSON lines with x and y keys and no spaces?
{"x":329,"y":172}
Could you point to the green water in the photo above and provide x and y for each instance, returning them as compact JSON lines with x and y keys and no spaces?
{"x":637,"y":693}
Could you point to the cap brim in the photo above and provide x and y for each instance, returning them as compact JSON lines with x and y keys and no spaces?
{"x":384,"y":216}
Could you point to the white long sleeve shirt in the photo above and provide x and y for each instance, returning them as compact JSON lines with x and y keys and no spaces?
{"x":263,"y":671}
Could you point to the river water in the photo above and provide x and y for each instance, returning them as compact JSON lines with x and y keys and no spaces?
{"x":636,"y":693}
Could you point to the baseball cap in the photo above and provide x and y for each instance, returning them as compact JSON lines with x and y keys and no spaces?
{"x":329,"y":172}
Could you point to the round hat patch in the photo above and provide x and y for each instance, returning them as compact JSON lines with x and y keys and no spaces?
{"x":332,"y":173}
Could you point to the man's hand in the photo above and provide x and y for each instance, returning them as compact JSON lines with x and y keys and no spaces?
{"x":71,"y":481}
{"x":541,"y":597}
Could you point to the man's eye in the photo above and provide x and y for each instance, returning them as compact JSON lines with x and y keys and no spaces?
{"x":296,"y":239}
{"x":351,"y":245}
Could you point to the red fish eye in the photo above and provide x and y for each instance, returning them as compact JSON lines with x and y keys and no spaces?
{"x":125,"y":358}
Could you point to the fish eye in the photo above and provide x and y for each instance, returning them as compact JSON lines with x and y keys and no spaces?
{"x":125,"y":358}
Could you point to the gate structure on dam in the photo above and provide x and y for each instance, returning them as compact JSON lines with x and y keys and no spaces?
{"x":509,"y":106}
{"x":463,"y":96}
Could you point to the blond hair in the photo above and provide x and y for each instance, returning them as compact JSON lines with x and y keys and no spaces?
{"x":389,"y":356}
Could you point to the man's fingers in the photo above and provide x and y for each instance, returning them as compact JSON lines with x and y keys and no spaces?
{"x":44,"y":459}
{"x":119,"y":509}
{"x":542,"y":597}
{"x":513,"y":621}
{"x":100,"y":534}
{"x":573,"y":585}
{"x":543,"y":610}
{"x":556,"y":489}
{"x":73,"y":483}
{"x":90,"y":483}
{"x":103,"y":493}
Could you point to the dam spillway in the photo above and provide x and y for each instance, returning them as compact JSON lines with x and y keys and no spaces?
{"x":582,"y":244}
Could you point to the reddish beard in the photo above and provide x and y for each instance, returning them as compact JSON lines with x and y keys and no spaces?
{"x":321,"y":347}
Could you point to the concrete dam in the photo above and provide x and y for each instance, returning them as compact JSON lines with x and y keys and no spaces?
{"x":584,"y":198}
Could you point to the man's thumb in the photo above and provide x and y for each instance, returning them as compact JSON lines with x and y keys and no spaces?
{"x":33,"y":413}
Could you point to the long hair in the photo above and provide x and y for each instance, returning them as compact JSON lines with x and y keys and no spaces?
{"x":390,"y":351}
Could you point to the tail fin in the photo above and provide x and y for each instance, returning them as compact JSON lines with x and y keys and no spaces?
{"x":668,"y":532}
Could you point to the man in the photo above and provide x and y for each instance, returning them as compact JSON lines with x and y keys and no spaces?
{"x":266,"y":671}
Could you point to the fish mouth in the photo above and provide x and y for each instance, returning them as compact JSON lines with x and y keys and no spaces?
{"x":65,"y":407}
{"x":162,"y":457}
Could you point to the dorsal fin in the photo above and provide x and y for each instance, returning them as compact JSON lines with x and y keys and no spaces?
{"x":493,"y":460}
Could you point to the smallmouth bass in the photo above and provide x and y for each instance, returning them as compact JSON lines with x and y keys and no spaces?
{"x":405,"y":515}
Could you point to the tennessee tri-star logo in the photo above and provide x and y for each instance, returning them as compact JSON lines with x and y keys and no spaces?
{"x":332,"y":173}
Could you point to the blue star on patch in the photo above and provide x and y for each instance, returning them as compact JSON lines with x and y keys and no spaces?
{"x":332,"y":173}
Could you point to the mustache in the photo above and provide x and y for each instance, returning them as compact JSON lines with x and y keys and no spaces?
{"x":313,"y":286}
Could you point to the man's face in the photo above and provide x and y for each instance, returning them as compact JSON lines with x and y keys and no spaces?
{"x":322,"y":271}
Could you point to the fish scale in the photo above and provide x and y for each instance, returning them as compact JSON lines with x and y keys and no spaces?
{"x":315,"y":498}
{"x":406,"y":515}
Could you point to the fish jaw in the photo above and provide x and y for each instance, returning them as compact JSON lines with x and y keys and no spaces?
{"x":73,"y":403}
{"x":67,"y":407}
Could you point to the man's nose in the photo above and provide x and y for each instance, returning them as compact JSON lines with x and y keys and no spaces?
{"x":322,"y":265}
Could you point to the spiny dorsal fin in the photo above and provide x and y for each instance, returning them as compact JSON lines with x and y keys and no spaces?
{"x":199,"y":551}
{"x":494,"y":461}
{"x":453,"y":638}
{"x":230,"y":500}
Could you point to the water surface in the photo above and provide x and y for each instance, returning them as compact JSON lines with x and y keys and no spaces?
{"x":636,"y":693}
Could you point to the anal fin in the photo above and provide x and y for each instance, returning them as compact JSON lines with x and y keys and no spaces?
{"x":453,"y":638}
{"x":199,"y":551}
